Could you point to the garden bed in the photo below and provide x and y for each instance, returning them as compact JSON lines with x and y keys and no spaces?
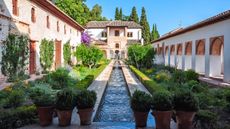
{"x":214,"y":103}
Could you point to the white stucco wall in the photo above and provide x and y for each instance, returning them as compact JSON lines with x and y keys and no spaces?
{"x":218,"y":29}
{"x":96,"y":33}
{"x":136,"y":34}
{"x":38,"y":30}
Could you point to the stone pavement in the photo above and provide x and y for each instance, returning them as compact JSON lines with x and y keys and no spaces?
{"x":214,"y":82}
{"x":5,"y":84}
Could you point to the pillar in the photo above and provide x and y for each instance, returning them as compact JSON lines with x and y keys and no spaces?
{"x":169,"y":55}
{"x":183,"y":56}
{"x":207,"y":57}
{"x":226,"y":58}
{"x":175,"y":56}
{"x":194,"y":55}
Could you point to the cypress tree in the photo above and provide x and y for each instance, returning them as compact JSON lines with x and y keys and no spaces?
{"x":154,"y":34}
{"x":146,"y":29}
{"x":134,"y":16}
{"x":117,"y":14}
{"x":121,"y":14}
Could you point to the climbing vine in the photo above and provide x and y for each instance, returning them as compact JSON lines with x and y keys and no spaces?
{"x":67,"y":53}
{"x":15,"y":53}
{"x":46,"y":54}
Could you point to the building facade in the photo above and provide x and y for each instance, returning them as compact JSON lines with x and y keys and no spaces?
{"x":113,"y":37}
{"x":39,"y":19}
{"x":203,"y":47}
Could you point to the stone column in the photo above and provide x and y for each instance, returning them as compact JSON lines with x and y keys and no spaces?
{"x":175,"y":56}
{"x":207,"y":57}
{"x":194,"y":55}
{"x":183,"y":56}
{"x":226,"y":59}
{"x":169,"y":46}
{"x":108,"y":35}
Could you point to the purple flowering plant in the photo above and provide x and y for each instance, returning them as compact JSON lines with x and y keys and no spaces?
{"x":85,"y":38}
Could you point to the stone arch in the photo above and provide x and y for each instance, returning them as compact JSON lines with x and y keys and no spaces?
{"x":200,"y":47}
{"x":188,"y":48}
{"x":179,"y":49}
{"x":216,"y":46}
{"x":172,"y":50}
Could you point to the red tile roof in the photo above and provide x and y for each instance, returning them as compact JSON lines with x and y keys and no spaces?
{"x":104,"y":24}
{"x":212,"y":20}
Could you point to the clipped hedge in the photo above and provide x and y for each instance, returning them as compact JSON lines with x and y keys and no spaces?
{"x":15,"y":118}
{"x":85,"y":83}
{"x":150,"y":84}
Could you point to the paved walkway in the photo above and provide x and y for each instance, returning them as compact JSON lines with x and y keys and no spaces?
{"x":214,"y":82}
{"x":5,"y":84}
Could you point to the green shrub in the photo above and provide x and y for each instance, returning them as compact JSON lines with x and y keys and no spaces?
{"x":162,"y":76}
{"x":206,"y":119}
{"x":59,"y":79}
{"x":15,"y":99}
{"x":178,"y":76}
{"x":162,"y":101}
{"x":151,"y":85}
{"x":85,"y":83}
{"x":65,"y":100}
{"x":41,"y":96}
{"x":191,"y":75}
{"x":195,"y":86}
{"x":140,"y":101}
{"x":185,"y":101}
{"x":15,"y":118}
{"x":46,"y":54}
{"x":86,"y":99}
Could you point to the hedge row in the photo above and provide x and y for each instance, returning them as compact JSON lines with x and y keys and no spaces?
{"x":15,"y":118}
{"x":150,"y":84}
{"x":86,"y":82}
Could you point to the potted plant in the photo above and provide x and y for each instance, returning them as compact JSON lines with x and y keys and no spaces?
{"x":85,"y":104}
{"x":186,"y":106}
{"x":140,"y":104}
{"x":44,"y":102}
{"x":162,"y":106}
{"x":64,"y":105}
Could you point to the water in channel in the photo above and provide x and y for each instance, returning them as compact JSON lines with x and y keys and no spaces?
{"x":115,"y":106}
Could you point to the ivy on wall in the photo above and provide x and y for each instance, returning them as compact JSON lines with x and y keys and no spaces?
{"x":67,"y":53}
{"x":15,"y":54}
{"x":46,"y":54}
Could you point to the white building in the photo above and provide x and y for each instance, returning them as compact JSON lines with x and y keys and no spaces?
{"x":38,"y":19}
{"x":113,"y":37}
{"x":203,"y":47}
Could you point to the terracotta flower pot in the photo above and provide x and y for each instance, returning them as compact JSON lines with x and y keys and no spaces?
{"x":64,"y":117}
{"x":163,"y":119}
{"x":85,"y":115}
{"x":184,"y":119}
{"x":140,"y":118}
{"x":45,"y":115}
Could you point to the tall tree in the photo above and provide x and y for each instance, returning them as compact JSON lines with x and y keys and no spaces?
{"x":96,"y":13}
{"x":120,"y":14}
{"x":146,"y":29}
{"x":154,"y":34}
{"x":76,"y":9}
{"x":117,"y":14}
{"x":134,"y":16}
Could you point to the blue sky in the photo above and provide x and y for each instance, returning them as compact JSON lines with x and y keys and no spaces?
{"x":167,"y":14}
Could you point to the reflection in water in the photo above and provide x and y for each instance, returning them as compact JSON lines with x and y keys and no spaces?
{"x":115,"y":106}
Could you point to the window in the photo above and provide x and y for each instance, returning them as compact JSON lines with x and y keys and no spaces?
{"x":70,"y":30}
{"x":58,"y":28}
{"x":117,"y":33}
{"x":1,"y":8}
{"x":48,"y":22}
{"x":130,"y":34}
{"x":64,"y":29}
{"x":117,"y":45}
{"x":33,"y":18}
{"x":15,"y":7}
{"x":104,"y":34}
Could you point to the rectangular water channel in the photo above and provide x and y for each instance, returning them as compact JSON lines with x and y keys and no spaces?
{"x":115,"y":105}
